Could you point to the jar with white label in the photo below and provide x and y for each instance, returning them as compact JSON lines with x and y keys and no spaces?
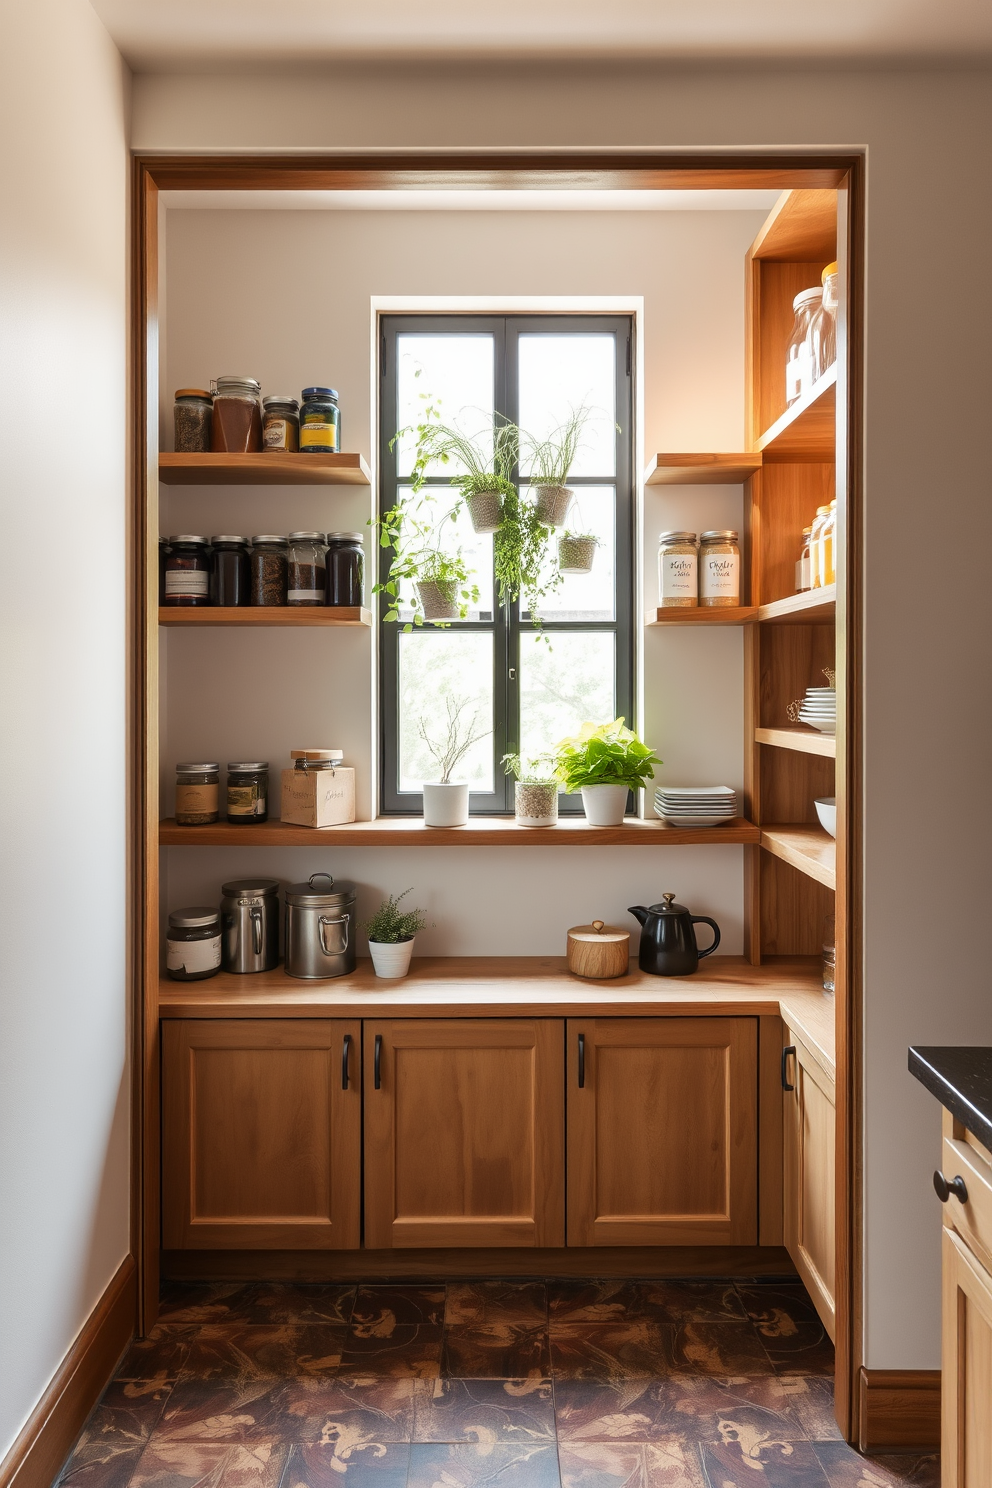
{"x":187,"y":571}
{"x":280,"y":423}
{"x":306,"y":573}
{"x":247,"y":792}
{"x":719,"y":570}
{"x":196,"y":794}
{"x":192,"y":944}
{"x":677,"y":567}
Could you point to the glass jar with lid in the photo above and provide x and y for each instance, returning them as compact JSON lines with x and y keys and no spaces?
{"x":677,"y":565}
{"x":822,"y":334}
{"x":828,"y":533}
{"x":815,"y":559}
{"x":320,"y":421}
{"x":196,"y":794}
{"x":269,"y":557}
{"x":316,"y":759}
{"x":187,"y":571}
{"x":719,"y":570}
{"x":306,"y":574}
{"x":236,"y":422}
{"x":193,"y":414}
{"x":280,"y":423}
{"x":804,"y":579}
{"x":230,"y":577}
{"x":798,"y":362}
{"x":192,"y":943}
{"x":345,"y":569}
{"x":247,"y":791}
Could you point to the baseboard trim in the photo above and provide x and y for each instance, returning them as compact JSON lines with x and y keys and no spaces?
{"x":899,"y":1410}
{"x":60,"y":1414}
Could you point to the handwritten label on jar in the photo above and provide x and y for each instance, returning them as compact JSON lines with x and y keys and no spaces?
{"x":244,"y":800}
{"x":720,"y":576}
{"x":192,"y":955}
{"x":188,"y":583}
{"x":677,"y":572}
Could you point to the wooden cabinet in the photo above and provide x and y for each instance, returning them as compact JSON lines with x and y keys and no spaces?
{"x":261,"y":1141}
{"x":809,"y":1176}
{"x":464,"y":1132}
{"x":662,"y":1131}
{"x":966,"y":1372}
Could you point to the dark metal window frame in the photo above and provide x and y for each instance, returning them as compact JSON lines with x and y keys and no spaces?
{"x":508,"y":625}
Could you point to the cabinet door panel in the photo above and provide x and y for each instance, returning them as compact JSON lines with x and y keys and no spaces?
{"x":662,"y":1132}
{"x":261,"y":1144}
{"x":809,"y":1180}
{"x":464,"y":1141}
{"x":966,"y":1373}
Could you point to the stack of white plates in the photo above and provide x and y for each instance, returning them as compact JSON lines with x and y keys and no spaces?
{"x":695,"y":805}
{"x":819,"y":709}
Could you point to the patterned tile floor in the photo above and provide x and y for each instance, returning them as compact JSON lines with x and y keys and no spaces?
{"x":496,"y":1384}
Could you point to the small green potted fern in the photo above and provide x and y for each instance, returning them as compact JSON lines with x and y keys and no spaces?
{"x":550,"y":461}
{"x":391,"y":932}
{"x":487,"y":459}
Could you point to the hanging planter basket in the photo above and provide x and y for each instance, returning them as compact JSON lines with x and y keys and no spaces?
{"x":576,"y":555}
{"x":552,"y":504}
{"x":486,"y":510}
{"x":439,"y":599}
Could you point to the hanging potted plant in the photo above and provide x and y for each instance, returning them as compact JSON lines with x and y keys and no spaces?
{"x":535,"y":792}
{"x":577,"y":552}
{"x":446,"y":800}
{"x":521,"y":551}
{"x":441,"y":580}
{"x":487,"y":458}
{"x":604,"y":762}
{"x":550,"y":461}
{"x":391,"y":932}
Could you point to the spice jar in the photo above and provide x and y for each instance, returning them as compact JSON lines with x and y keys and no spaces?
{"x":193,"y":414}
{"x":280,"y":423}
{"x":196,"y":794}
{"x":798,"y":361}
{"x":187,"y":571}
{"x":236,"y":424}
{"x":320,"y":421}
{"x":192,"y":943}
{"x":230,"y":578}
{"x":248,"y":792}
{"x":306,"y":574}
{"x":677,"y":562}
{"x":804,"y":578}
{"x":345,"y":561}
{"x":719,"y":569}
{"x":163,"y":552}
{"x":268,"y":569}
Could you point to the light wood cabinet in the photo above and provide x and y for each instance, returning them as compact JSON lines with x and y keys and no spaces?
{"x":809,"y":1176}
{"x":662,"y":1131}
{"x":261,"y":1139}
{"x":464,"y":1132}
{"x":966,"y":1373}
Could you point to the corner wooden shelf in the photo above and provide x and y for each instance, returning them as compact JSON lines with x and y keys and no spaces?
{"x":805,"y":432}
{"x":810,"y":849}
{"x":277,"y":615}
{"x":481,"y":831}
{"x":701,"y":470}
{"x":702,"y":615}
{"x":812,"y":607}
{"x":801,"y":228}
{"x":802,"y":740}
{"x":270,"y":469}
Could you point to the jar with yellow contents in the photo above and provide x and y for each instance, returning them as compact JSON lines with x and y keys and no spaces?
{"x":320,"y":421}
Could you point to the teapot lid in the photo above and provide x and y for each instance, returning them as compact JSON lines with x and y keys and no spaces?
{"x":669,"y":906}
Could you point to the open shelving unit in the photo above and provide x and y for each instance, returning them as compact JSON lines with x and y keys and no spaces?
{"x":279,"y":615}
{"x":700,"y":615}
{"x":272,"y":468}
{"x":481,"y":831}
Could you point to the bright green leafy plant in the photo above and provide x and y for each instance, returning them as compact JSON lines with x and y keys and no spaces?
{"x":390,"y":924}
{"x":419,"y":558}
{"x":604,"y":754}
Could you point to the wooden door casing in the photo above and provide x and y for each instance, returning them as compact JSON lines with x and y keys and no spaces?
{"x":966,"y":1368}
{"x":464,"y":1138}
{"x":261,"y":1144}
{"x":662,"y":1134}
{"x":809,"y":1180}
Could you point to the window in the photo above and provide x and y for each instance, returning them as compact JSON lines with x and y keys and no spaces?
{"x":525,"y":685}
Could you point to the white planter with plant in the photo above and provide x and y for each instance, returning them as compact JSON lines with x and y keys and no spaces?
{"x":604,"y":762}
{"x":535,"y":791}
{"x":446,"y":800}
{"x":391,"y":932}
{"x":577,"y":552}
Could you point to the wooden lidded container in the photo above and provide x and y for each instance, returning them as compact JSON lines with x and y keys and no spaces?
{"x":598,"y":951}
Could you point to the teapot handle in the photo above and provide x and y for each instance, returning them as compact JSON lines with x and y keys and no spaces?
{"x":705,"y":920}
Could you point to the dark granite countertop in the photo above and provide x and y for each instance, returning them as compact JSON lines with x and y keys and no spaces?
{"x":961,"y":1079}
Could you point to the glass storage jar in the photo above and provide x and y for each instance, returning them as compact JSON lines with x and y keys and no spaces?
{"x":320,"y":421}
{"x":230,"y":578}
{"x":719,"y":570}
{"x":236,"y":424}
{"x":193,"y":414}
{"x":187,"y":571}
{"x":192,"y":943}
{"x":280,"y":423}
{"x":798,"y":362}
{"x":306,"y":573}
{"x":828,"y":545}
{"x":815,"y":556}
{"x":248,"y":791}
{"x":196,"y":794}
{"x":345,"y":561}
{"x":677,"y":566}
{"x":163,"y":552}
{"x":822,"y":334}
{"x":804,"y":579}
{"x":268,"y":569}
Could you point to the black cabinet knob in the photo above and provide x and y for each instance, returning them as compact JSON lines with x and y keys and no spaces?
{"x":943,"y":1189}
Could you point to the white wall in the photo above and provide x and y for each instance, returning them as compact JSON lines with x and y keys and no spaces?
{"x":63,"y":1052}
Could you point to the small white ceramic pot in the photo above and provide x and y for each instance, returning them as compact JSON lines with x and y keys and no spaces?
{"x":439,"y":601}
{"x":552,"y":504}
{"x":486,"y":510}
{"x":604,"y":804}
{"x":391,"y":959}
{"x":576,"y":555}
{"x":535,"y":803}
{"x":445,"y":805}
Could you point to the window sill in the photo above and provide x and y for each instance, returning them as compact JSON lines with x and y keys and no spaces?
{"x":481,"y":831}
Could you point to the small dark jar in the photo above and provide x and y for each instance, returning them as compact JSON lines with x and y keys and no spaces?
{"x":345,"y":569}
{"x":230,"y":580}
{"x":187,"y":571}
{"x":193,"y":943}
{"x":269,"y":562}
{"x":247,"y":792}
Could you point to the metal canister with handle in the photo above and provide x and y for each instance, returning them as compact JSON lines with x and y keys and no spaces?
{"x":320,"y":928}
{"x":250,"y":924}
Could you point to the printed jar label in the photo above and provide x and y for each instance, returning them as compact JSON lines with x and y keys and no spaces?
{"x":677,"y":575}
{"x":196,"y":800}
{"x":244,"y":800}
{"x":719,"y":577}
{"x":192,"y":955}
{"x":191,"y":583}
{"x":304,"y":596}
{"x":276,"y":434}
{"x":317,"y":435}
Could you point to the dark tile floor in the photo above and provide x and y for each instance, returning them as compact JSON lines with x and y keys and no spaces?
{"x":496,"y":1384}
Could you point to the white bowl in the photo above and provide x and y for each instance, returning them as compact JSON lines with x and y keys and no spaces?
{"x":826,"y":810}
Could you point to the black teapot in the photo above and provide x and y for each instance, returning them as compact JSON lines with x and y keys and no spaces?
{"x":668,"y":941}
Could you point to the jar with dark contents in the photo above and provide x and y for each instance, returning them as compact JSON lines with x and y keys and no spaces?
{"x":236,"y":422}
{"x":280,"y":423}
{"x":306,"y":574}
{"x":345,"y":569}
{"x":269,"y":555}
{"x":193,"y":416}
{"x":230,"y":578}
{"x":248,"y":792}
{"x":187,"y":571}
{"x":196,"y":794}
{"x":163,"y":552}
{"x":320,"y":421}
{"x":192,"y":943}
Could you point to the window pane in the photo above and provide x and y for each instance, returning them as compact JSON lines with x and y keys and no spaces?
{"x":562,"y":373}
{"x":432,"y":506}
{"x":440,"y":670}
{"x":455,"y":375}
{"x":563,"y":685}
{"x":587,"y":596}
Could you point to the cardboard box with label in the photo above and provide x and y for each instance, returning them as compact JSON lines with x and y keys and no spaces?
{"x":319,"y":791}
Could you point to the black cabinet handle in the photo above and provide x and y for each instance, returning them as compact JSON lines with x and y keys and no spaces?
{"x":790,"y":1049}
{"x":943,"y":1189}
{"x":345,"y":1053}
{"x":582,"y":1061}
{"x":377,"y":1062}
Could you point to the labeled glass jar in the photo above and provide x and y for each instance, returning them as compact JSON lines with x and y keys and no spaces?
{"x":320,"y":421}
{"x":163,"y":552}
{"x":187,"y":571}
{"x":192,"y":943}
{"x":248,"y":791}
{"x":230,"y":575}
{"x":719,"y":570}
{"x":306,"y":575}
{"x":236,"y":423}
{"x":804,"y":578}
{"x":798,"y":361}
{"x":192,"y":415}
{"x":269,"y":556}
{"x":280,"y":423}
{"x":677,"y":570}
{"x":197,"y":791}
{"x":345,"y":561}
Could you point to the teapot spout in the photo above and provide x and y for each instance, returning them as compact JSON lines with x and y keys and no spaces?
{"x":639,"y":912}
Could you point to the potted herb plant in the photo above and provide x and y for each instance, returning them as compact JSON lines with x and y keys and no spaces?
{"x":391,"y":933}
{"x":550,"y":461}
{"x":441,"y":579}
{"x":446,"y":800}
{"x":535,"y":793}
{"x":487,"y":458}
{"x":577,"y":552}
{"x":520,"y":554}
{"x":604,"y":762}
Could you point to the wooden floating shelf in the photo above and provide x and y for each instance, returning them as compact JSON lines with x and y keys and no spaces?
{"x":277,"y":615}
{"x":805,"y":432}
{"x":702,"y":615}
{"x":812,"y":607}
{"x":803,"y":740}
{"x":810,"y":849}
{"x":701,"y":470}
{"x":801,"y":228}
{"x":270,"y":469}
{"x":482,"y":831}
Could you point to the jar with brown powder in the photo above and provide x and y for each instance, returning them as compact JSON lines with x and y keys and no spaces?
{"x":307,"y":571}
{"x":236,"y":422}
{"x":268,"y":569}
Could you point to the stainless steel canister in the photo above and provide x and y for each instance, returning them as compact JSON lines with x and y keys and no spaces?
{"x":250,"y":919}
{"x":320,"y":928}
